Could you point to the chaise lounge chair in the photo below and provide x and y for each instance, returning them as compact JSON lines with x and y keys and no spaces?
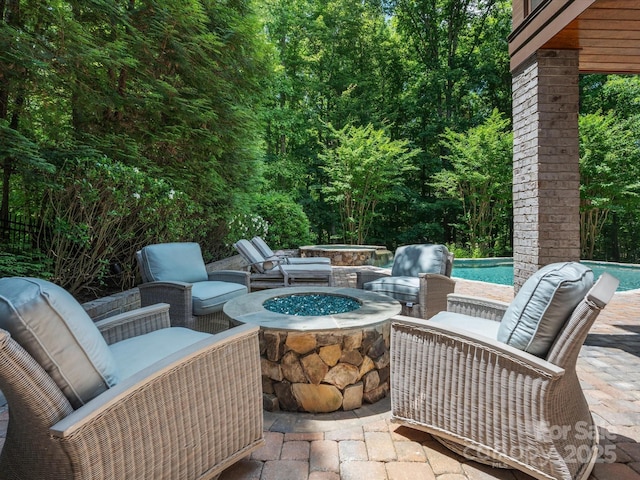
{"x":128,"y":397}
{"x":269,"y":254}
{"x":420,"y":279}
{"x":272,"y":273}
{"x":497,"y":383}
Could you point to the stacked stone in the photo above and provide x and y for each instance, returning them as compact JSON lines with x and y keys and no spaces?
{"x":345,"y":257}
{"x":324,"y":372}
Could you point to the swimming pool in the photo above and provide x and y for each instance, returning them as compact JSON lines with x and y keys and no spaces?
{"x":500,"y":270}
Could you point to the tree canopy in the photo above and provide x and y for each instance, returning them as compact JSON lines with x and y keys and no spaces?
{"x":381,"y":122}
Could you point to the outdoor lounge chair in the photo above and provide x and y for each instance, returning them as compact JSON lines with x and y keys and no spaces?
{"x":266,"y":252}
{"x":497,"y":383}
{"x":420,"y":279}
{"x":175,"y":273}
{"x":128,"y":397}
{"x":271,"y":273}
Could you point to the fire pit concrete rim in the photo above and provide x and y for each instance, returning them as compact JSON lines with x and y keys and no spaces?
{"x":375,"y":308}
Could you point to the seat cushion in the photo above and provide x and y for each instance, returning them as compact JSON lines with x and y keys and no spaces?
{"x":403,"y":289}
{"x":59,"y":334}
{"x":136,"y":353}
{"x":475,"y":325}
{"x":307,"y":260}
{"x":411,"y":260}
{"x":543,"y":305}
{"x":209,"y":297}
{"x":178,"y":262}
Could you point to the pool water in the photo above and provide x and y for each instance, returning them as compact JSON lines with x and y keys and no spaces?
{"x":501,"y":271}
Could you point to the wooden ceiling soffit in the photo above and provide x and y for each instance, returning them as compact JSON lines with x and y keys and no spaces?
{"x":547,"y":21}
{"x":608,"y":36}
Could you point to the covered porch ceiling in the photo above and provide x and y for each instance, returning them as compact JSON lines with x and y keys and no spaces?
{"x":607,"y":33}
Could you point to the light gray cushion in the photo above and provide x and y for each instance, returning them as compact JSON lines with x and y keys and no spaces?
{"x":307,"y":260}
{"x":252,"y":256}
{"x":411,"y":260}
{"x":475,"y":325}
{"x":262,"y":247}
{"x":403,"y":289}
{"x":137,"y":353}
{"x":178,"y":262}
{"x":57,"y":332}
{"x":209,"y":297}
{"x":543,"y":305}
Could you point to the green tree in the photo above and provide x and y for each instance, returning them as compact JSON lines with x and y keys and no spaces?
{"x":609,"y":171}
{"x":25,"y":52}
{"x":363,"y":167}
{"x":174,"y":88}
{"x":339,"y":64}
{"x":481,"y":178}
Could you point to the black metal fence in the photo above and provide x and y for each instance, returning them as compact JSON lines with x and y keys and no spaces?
{"x":18,"y":231}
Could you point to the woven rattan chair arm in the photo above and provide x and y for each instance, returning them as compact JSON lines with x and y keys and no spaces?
{"x":153,"y":421}
{"x":433,"y":292}
{"x":175,"y":285}
{"x":134,"y":323}
{"x":365,"y":276}
{"x":476,"y":306}
{"x":423,"y":335}
{"x":234,"y":276}
{"x":176,"y":294}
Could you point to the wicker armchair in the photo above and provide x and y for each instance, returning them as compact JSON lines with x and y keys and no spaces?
{"x":188,"y":415}
{"x":492,"y":402}
{"x":175,"y":273}
{"x":420,"y":279}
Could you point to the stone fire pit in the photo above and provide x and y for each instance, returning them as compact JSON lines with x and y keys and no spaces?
{"x":320,"y":363}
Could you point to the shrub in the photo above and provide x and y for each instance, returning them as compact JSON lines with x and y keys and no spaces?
{"x":289,"y":226}
{"x":100,"y":213}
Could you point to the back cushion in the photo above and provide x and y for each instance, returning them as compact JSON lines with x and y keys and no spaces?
{"x":543,"y":305}
{"x":177,"y":262}
{"x":411,"y":260}
{"x":57,"y":332}
{"x":252,"y":256}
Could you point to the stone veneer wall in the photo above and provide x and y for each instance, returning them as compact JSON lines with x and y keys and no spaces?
{"x":324,"y":371}
{"x":546,"y":176}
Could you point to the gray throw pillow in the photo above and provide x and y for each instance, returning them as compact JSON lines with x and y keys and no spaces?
{"x":543,"y":305}
{"x":59,"y":334}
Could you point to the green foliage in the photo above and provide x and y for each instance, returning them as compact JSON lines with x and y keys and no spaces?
{"x":467,"y":251}
{"x":20,"y":262}
{"x":288,"y":224}
{"x":244,"y":225}
{"x":363,"y":168}
{"x":172,"y":87}
{"x":480,"y":177}
{"x":101,"y":213}
{"x":609,"y":172}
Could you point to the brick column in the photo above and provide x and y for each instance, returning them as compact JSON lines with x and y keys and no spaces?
{"x":546,"y":176}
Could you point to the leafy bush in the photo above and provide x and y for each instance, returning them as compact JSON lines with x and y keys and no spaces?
{"x":245,"y":225}
{"x":465,"y":251}
{"x":26,"y":263}
{"x":289,"y":226}
{"x":101,"y":212}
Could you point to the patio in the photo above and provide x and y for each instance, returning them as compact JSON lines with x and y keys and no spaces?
{"x":364,"y":444}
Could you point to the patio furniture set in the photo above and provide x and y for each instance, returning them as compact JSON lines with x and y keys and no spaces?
{"x":139,"y":395}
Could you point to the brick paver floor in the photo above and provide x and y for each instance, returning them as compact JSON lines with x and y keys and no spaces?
{"x":364,"y":444}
